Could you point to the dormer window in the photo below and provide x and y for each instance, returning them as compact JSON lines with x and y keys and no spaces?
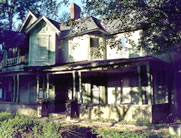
{"x":95,"y":51}
{"x":43,"y":47}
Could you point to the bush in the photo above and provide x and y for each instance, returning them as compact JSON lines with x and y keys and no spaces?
{"x":23,"y":126}
{"x":46,"y":129}
{"x":18,"y":126}
{"x":5,"y":116}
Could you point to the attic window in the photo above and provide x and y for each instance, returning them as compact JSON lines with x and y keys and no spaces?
{"x":95,"y":52}
{"x":94,"y":42}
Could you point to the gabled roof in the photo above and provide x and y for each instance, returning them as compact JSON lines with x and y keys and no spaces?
{"x":53,"y":23}
{"x":81,"y":26}
{"x":27,"y":19}
{"x":13,"y":39}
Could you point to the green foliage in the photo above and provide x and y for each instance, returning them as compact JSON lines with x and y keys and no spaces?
{"x":158,"y":18}
{"x":5,"y":116}
{"x":13,"y":10}
{"x":22,"y":126}
{"x":17,"y":126}
{"x":46,"y":129}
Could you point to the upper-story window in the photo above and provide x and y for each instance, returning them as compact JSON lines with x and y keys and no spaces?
{"x":95,"y":51}
{"x":42,"y":47}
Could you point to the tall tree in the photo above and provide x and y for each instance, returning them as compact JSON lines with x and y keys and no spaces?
{"x":12,"y":11}
{"x":163,"y":31}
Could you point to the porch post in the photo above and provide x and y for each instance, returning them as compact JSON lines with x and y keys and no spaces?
{"x":166,"y":85}
{"x":139,"y":84}
{"x":47,"y":90}
{"x":74,"y":94}
{"x":80,"y":87}
{"x":5,"y":88}
{"x":121,"y":91}
{"x":150,"y":89}
{"x":37,"y":86}
{"x":14,"y":88}
{"x":155,"y":86}
{"x":17,"y":98}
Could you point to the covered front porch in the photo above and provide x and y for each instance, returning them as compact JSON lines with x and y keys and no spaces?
{"x":122,"y":89}
{"x":125,"y":89}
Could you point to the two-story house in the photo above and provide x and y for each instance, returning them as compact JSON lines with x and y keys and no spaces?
{"x":94,"y":61}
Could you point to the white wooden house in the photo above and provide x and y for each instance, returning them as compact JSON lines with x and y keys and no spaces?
{"x":84,"y":59}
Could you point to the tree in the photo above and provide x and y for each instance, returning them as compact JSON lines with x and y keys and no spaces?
{"x":12,"y":11}
{"x":64,"y":17}
{"x":162,"y":32}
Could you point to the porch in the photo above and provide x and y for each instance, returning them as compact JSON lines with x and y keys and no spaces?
{"x":128,"y":89}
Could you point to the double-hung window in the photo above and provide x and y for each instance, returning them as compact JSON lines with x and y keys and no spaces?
{"x":94,"y":48}
{"x":43,"y":47}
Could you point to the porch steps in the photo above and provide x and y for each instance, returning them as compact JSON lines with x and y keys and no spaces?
{"x":61,"y":115}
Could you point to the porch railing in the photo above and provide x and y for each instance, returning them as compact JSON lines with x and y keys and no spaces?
{"x":14,"y":61}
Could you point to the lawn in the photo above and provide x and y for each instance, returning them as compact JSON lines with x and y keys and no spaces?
{"x":27,"y":127}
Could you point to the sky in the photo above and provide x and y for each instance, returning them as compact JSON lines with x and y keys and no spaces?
{"x":63,"y":8}
{"x":67,"y":8}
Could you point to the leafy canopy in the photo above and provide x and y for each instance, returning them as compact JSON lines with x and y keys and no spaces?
{"x":12,"y":11}
{"x":163,"y":29}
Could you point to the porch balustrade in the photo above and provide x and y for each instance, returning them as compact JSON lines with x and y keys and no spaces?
{"x":14,"y":61}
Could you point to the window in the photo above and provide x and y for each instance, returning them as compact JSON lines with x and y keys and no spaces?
{"x":94,"y":48}
{"x":1,"y":93}
{"x":42,"y":87}
{"x":43,"y":47}
{"x":1,"y":46}
{"x":94,"y":42}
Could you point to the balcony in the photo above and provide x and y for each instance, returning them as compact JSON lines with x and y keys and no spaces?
{"x":13,"y":61}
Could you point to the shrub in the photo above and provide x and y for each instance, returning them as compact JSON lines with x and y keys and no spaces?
{"x":17,"y":127}
{"x":5,"y":116}
{"x":22,"y":126}
{"x":46,"y":129}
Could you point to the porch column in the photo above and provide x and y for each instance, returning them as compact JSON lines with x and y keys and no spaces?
{"x":150,"y":89}
{"x":37,"y":86}
{"x":155,"y":86}
{"x":47,"y":90}
{"x":121,"y":91}
{"x":17,"y":98}
{"x":14,"y":88}
{"x":139,"y":84}
{"x":166,"y":85}
{"x":80,"y":87}
{"x":74,"y":94}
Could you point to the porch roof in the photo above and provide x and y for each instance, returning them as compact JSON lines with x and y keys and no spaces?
{"x":97,"y":64}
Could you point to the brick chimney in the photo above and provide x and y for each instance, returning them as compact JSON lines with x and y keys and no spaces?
{"x":74,"y":11}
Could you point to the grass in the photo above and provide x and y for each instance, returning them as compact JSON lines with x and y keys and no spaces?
{"x":13,"y":126}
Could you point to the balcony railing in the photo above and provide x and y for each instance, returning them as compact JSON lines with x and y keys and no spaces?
{"x":13,"y":61}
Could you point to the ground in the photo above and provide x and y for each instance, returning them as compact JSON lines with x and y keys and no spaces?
{"x":19,"y":126}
